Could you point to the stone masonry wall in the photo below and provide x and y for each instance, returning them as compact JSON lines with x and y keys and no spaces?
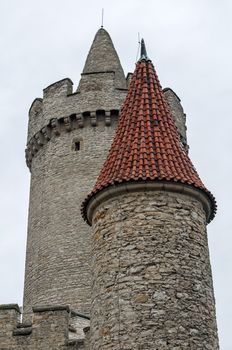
{"x":58,"y":246}
{"x":50,"y":329}
{"x":152,"y":284}
{"x":95,"y":92}
{"x":69,"y":134}
{"x":178,"y":114}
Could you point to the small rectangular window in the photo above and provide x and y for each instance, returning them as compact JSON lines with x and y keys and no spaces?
{"x":77,"y":146}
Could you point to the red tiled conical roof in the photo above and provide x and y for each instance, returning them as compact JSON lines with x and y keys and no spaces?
{"x":147,"y":146}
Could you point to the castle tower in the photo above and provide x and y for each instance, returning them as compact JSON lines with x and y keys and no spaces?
{"x":69,"y":134}
{"x":152,"y":283}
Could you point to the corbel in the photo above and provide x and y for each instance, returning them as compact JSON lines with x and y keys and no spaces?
{"x":67,"y":124}
{"x":107,"y":118}
{"x":55,"y":126}
{"x":93,"y":119}
{"x":80,"y":120}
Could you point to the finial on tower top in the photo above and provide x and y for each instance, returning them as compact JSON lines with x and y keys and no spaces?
{"x":143,"y":55}
{"x":102,"y":18}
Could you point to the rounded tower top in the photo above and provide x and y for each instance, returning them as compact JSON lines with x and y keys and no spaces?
{"x":147,"y":145}
{"x":103,"y":58}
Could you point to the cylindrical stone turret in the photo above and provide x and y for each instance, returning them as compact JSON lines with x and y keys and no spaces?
{"x":69,"y":136}
{"x":152,"y":282}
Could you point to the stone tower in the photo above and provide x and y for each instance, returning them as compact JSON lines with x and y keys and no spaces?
{"x":152,"y":283}
{"x":144,"y":265}
{"x":69,"y":134}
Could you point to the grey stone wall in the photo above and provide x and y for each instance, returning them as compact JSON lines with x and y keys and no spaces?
{"x":178,"y":114}
{"x":152,"y":283}
{"x":58,"y":247}
{"x":95,"y":92}
{"x":51,"y":329}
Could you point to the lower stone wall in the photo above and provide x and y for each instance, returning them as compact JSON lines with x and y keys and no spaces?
{"x":52,"y":328}
{"x":152,"y":284}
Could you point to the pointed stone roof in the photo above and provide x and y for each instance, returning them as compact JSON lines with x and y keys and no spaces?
{"x":147,"y":146}
{"x":103,"y":58}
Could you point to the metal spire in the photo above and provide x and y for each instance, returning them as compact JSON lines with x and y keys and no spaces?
{"x":143,"y":55}
{"x":102,"y":19}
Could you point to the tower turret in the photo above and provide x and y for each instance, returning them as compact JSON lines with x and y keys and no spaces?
{"x":152,"y":283}
{"x":103,"y":58}
{"x":69,"y":134}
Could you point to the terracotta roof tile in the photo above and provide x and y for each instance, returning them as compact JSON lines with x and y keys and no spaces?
{"x":146,"y":145}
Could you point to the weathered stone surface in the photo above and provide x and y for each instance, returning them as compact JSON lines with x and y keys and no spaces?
{"x":103,"y":58}
{"x":62,"y":173}
{"x":58,"y":247}
{"x":53,"y":328}
{"x":178,"y":114}
{"x":152,"y":284}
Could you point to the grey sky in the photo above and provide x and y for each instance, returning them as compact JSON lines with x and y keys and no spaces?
{"x":189,"y":42}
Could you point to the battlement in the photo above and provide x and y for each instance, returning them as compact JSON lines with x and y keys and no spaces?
{"x":178,"y":114}
{"x":59,"y":99}
{"x":66,"y":124}
{"x":62,"y":87}
{"x":55,"y":126}
{"x":51,"y":327}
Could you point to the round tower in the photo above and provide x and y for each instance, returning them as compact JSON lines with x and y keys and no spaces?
{"x":69,"y":134}
{"x":152,"y":282}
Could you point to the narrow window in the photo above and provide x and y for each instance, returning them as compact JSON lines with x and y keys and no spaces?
{"x":77,"y":146}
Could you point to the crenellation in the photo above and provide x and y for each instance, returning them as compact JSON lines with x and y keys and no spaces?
{"x":128,"y":79}
{"x":57,"y":125}
{"x":9,"y":317}
{"x":52,"y":327}
{"x":60,"y":88}
{"x":36,"y":107}
{"x":178,"y":114}
{"x":35,"y":116}
{"x":78,"y":322}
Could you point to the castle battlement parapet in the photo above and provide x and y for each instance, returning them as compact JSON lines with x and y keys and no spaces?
{"x":93,"y":118}
{"x":59,"y":99}
{"x":178,"y":114}
{"x":101,"y":118}
{"x":52,"y":327}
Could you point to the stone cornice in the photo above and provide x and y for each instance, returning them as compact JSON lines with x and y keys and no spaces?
{"x":130,"y":187}
{"x":10,"y":307}
{"x":65,"y":124}
{"x":47,"y":308}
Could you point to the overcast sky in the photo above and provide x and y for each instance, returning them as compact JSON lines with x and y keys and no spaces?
{"x":189,"y":42}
